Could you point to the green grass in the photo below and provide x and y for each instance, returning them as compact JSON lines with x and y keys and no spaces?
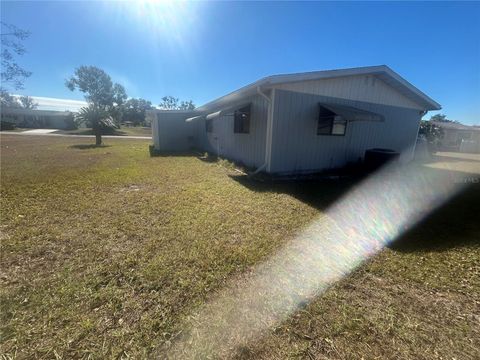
{"x":107,"y":251}
{"x":124,"y":131}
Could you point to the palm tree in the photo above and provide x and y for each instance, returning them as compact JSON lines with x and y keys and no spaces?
{"x":97,"y":118}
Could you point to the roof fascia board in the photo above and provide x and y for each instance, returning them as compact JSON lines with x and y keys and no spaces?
{"x":271,"y":81}
{"x":434,"y":105}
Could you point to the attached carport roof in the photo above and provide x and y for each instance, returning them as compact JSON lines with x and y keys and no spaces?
{"x":382,"y":71}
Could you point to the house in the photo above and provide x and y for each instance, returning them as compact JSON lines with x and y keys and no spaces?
{"x":301,"y":123}
{"x":459,"y":137}
{"x":33,"y":118}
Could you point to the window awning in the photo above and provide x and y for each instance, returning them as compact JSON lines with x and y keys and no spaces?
{"x":214,"y":115}
{"x":225,"y":111}
{"x":353,"y":114}
{"x":194,"y":118}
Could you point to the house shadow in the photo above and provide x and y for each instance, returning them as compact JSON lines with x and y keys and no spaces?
{"x":154,"y":153}
{"x":208,"y":158}
{"x":456,"y":223}
{"x":318,"y":192}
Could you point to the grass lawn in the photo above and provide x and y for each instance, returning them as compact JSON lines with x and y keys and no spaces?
{"x":106,"y":252}
{"x":124,"y":131}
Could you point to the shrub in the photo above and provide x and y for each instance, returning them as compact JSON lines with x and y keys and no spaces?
{"x":7,"y":125}
{"x":107,"y":130}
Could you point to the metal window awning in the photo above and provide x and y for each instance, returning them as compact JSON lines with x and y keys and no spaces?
{"x":226,"y":110}
{"x":353,"y":114}
{"x":214,"y":115}
{"x":194,"y":118}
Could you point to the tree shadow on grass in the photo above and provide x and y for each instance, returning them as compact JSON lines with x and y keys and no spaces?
{"x":91,"y":132}
{"x":88,"y":146}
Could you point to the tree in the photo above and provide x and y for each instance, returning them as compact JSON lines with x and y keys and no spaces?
{"x":8,"y":100}
{"x":441,"y":118}
{"x":11,"y":101}
{"x":171,"y":103}
{"x":12,"y":74}
{"x":433,"y":133}
{"x":27,"y":102}
{"x":105,"y":99}
{"x":119,"y":98}
{"x":134,"y":110}
{"x":99,"y":89}
{"x":97,"y":118}
{"x":187,"y":105}
{"x":119,"y":94}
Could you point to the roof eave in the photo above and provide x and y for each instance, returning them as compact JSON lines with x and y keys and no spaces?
{"x":423,"y":99}
{"x":270,"y":81}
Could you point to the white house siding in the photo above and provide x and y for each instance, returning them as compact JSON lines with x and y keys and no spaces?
{"x":367,"y":88}
{"x":248,"y":149}
{"x":296,"y":147}
{"x":170,"y":132}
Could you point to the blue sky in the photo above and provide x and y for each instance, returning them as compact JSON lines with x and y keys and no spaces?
{"x":202,"y":50}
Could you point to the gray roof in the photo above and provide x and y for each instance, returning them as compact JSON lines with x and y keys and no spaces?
{"x":22,"y":111}
{"x":381,"y":71}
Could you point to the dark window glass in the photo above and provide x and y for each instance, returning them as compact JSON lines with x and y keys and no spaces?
{"x":241,"y":123}
{"x":209,"y":125}
{"x":330,"y":123}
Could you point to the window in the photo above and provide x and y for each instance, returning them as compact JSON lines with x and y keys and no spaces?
{"x":241,"y":123}
{"x":209,"y":125}
{"x":339,"y":125}
{"x":330,"y":123}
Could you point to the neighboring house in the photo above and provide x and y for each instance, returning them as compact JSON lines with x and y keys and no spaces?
{"x":459,"y":137}
{"x":32,"y":118}
{"x":300,"y":123}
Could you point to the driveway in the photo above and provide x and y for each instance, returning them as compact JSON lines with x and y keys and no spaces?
{"x":468,"y":163}
{"x":38,"y":131}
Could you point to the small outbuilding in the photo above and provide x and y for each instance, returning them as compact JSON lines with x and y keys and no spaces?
{"x":302,"y":123}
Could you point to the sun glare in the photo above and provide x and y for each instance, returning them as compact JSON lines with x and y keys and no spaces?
{"x":167,"y":21}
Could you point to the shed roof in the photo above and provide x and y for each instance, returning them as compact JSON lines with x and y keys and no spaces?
{"x":381,"y":71}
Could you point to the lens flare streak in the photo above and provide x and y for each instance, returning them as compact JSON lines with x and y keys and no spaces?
{"x":356,"y":227}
